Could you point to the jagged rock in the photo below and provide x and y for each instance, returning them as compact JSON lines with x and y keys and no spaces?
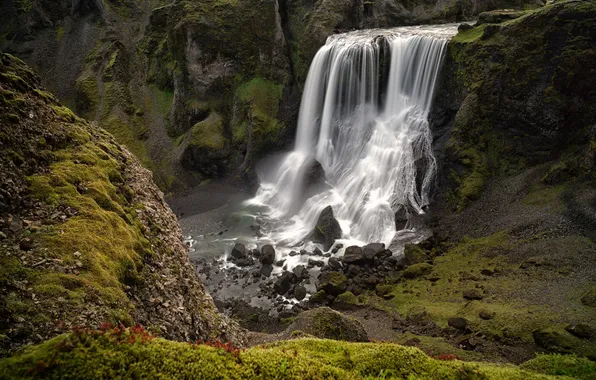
{"x":333,"y":283}
{"x":326,"y":323}
{"x":267,"y":254}
{"x":327,"y":229}
{"x":238,"y":252}
{"x":373,"y":250}
{"x":300,"y":272}
{"x":414,"y":254}
{"x":354,"y":255}
{"x":244,"y":262}
{"x":284,"y":282}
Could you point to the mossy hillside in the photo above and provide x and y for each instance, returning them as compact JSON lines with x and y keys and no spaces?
{"x":524,"y":81}
{"x":440,"y":293}
{"x":93,"y":224}
{"x":208,"y":134}
{"x":114,"y":354}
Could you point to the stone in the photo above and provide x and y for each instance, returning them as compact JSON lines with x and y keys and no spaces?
{"x":238,"y":252}
{"x":244,"y":262}
{"x":334,"y":263}
{"x":401,"y":219}
{"x":317,"y":252}
{"x":315,"y":175}
{"x":26,"y":244}
{"x":417,"y":270}
{"x":280,"y":263}
{"x":581,"y":330}
{"x":315,"y":263}
{"x":319,"y":297}
{"x":299,"y":292}
{"x":473,"y":294}
{"x":284,"y":282}
{"x":551,"y":340}
{"x":464,"y":27}
{"x":354,"y":255}
{"x":267,"y":255}
{"x":414,"y":254}
{"x":373,"y":250}
{"x":458,"y":323}
{"x":486,"y":315}
{"x":384,"y":291}
{"x":300,"y":272}
{"x":327,"y":229}
{"x":266,"y":270}
{"x":487,"y":272}
{"x":346,"y":301}
{"x":326,"y":323}
{"x":2,"y":235}
{"x":333,"y":283}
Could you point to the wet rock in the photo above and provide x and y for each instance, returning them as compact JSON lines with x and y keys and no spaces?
{"x":334,"y":263}
{"x":317,"y":252}
{"x":293,"y":253}
{"x":267,"y":255}
{"x":333,"y":283}
{"x":327,"y":229}
{"x":238,"y":252}
{"x":414,"y":254}
{"x":469,"y":342}
{"x":326,"y":323}
{"x":401,"y":219}
{"x":315,"y":263}
{"x":354,"y":255}
{"x":280,"y":263}
{"x":300,"y":272}
{"x":266,"y":270}
{"x":458,"y":323}
{"x":473,"y":294}
{"x":315,"y":175}
{"x":244,"y":262}
{"x":581,"y":330}
{"x":417,"y":270}
{"x":373,"y":250}
{"x":284,"y":282}
{"x":299,"y":292}
{"x":464,"y":27}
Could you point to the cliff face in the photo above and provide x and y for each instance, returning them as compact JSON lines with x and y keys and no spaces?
{"x":85,"y":234}
{"x":196,"y":89}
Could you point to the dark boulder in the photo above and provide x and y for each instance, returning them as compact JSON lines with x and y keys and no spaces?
{"x":327,"y":229}
{"x":326,"y":323}
{"x":458,"y":323}
{"x":284,"y":282}
{"x":300,"y":272}
{"x":354,"y":255}
{"x":238,"y":252}
{"x":267,"y":255}
{"x":581,"y":330}
{"x":299,"y":292}
{"x":373,"y":250}
{"x":334,"y":263}
{"x":266,"y":270}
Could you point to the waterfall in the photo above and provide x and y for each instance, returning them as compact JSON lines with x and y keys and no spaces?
{"x":363,"y":117}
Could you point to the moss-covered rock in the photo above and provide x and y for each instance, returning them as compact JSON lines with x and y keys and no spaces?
{"x":85,"y":228}
{"x":332,"y":282}
{"x":417,"y":270}
{"x":326,"y":323}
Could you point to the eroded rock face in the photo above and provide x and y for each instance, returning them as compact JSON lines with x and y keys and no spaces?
{"x":88,"y":204}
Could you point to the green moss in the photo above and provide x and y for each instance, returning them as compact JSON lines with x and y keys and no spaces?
{"x":64,"y":114}
{"x":469,"y":35}
{"x":60,"y":33}
{"x":96,"y":355}
{"x":208,"y":133}
{"x":562,"y":365}
{"x":23,"y":6}
{"x":164,"y":100}
{"x":87,"y":97}
{"x":417,"y":270}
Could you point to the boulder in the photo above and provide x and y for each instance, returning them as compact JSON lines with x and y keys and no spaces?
{"x":300,"y":272}
{"x":334,"y":263}
{"x":373,"y":250}
{"x":238,"y":252}
{"x":581,"y":330}
{"x":414,"y":254}
{"x":266,"y":270}
{"x":417,"y":270}
{"x":319,"y":297}
{"x":354,"y":255}
{"x":327,"y":229}
{"x":326,"y":323}
{"x":284,"y":282}
{"x":552,"y":340}
{"x":299,"y":292}
{"x":458,"y":323}
{"x":346,"y":301}
{"x":473,"y":294}
{"x":333,"y":283}
{"x":267,"y":255}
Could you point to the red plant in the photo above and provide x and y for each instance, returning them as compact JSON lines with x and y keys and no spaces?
{"x":446,"y":357}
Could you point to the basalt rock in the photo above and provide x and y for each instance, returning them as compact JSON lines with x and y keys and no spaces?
{"x":327,"y":229}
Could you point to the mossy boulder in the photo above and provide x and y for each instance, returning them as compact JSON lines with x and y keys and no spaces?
{"x":414,"y":254}
{"x":417,"y":270}
{"x":333,"y":283}
{"x":327,"y":229}
{"x":346,"y":301}
{"x":326,"y":323}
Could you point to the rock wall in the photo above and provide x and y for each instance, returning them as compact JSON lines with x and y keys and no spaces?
{"x":85,"y":235}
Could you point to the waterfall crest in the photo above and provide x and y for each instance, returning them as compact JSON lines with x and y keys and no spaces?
{"x":363,"y":117}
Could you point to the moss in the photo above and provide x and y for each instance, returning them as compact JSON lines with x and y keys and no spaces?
{"x":98,"y":355}
{"x":23,"y":6}
{"x":208,"y":133}
{"x":417,"y":270}
{"x":561,"y":365}
{"x":64,"y":113}
{"x":164,"y":100}
{"x":87,"y":97}
{"x":60,"y":33}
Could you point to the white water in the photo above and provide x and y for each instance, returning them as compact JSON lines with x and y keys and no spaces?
{"x":375,"y":146}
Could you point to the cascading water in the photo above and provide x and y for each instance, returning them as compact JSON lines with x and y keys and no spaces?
{"x":366,"y":124}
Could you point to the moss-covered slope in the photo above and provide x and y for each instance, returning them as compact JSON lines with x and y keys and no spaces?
{"x":85,"y":235}
{"x":127,"y":354}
